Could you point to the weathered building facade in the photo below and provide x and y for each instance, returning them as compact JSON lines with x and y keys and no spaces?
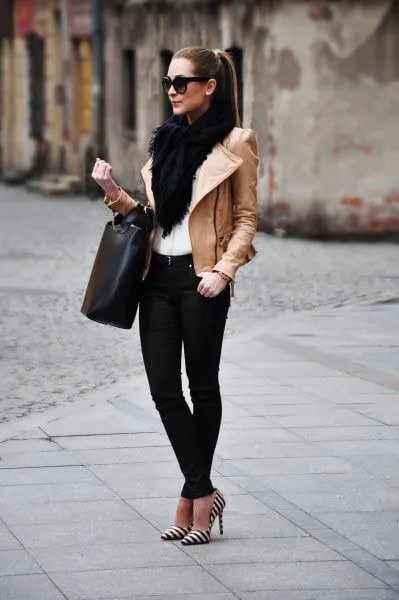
{"x":319,"y":82}
{"x":320,"y":85}
{"x":31,"y":65}
{"x":47,"y":86}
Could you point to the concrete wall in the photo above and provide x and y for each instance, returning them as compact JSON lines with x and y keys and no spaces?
{"x":16,"y":147}
{"x":147,"y":31}
{"x":335,"y":118}
{"x":45,"y":25}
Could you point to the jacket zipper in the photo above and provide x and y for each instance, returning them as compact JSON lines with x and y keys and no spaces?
{"x":231,"y":284}
{"x":214,"y":224}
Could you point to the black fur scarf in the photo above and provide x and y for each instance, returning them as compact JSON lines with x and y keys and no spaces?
{"x":177,"y":150}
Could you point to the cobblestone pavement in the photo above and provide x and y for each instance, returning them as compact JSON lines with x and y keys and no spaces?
{"x":50,"y":353}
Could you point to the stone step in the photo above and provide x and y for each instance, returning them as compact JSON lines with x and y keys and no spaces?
{"x":55,"y":185}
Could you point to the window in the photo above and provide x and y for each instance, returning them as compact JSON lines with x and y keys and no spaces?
{"x":129,"y":89}
{"x":237,"y":56}
{"x":36,"y":55}
{"x":166,"y":57}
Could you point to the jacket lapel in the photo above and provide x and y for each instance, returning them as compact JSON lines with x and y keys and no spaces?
{"x":218,"y":166}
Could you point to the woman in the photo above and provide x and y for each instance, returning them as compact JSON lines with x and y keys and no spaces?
{"x":201,"y":181}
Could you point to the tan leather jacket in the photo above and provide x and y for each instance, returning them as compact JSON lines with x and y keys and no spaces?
{"x":223,"y":212}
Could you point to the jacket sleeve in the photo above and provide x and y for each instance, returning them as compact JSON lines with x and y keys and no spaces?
{"x":244,"y":196}
{"x":122,"y":205}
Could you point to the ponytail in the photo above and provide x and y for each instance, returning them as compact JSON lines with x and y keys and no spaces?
{"x":219,"y":65}
{"x":229,"y":87}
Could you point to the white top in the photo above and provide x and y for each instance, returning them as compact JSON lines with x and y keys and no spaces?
{"x":178,"y":242}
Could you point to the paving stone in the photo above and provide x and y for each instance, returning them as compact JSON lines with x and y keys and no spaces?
{"x":289,"y":575}
{"x":267,"y":449}
{"x":7,"y":540}
{"x":263,"y":551}
{"x":248,"y":423}
{"x":110,"y":556}
{"x":319,"y":496}
{"x":123,"y":455}
{"x":84,"y":533}
{"x":353,"y":594}
{"x":318,"y":492}
{"x":124,"y":476}
{"x":126,"y":440}
{"x":355,"y":433}
{"x":175,"y":596}
{"x":156,"y":510}
{"x":295,"y":369}
{"x":276,"y":501}
{"x":259,"y":526}
{"x":232,"y":412}
{"x":383,"y":467}
{"x":367,"y":561}
{"x":268,"y":353}
{"x":336,"y":387}
{"x":160,"y":487}
{"x":294,"y":466}
{"x":17,"y":562}
{"x":96,"y":585}
{"x":246,"y":505}
{"x":369,"y":448}
{"x":262,"y":388}
{"x":54,"y":492}
{"x":97,"y":420}
{"x":39,"y":459}
{"x":27,"y":445}
{"x":67,"y":512}
{"x":161,"y":510}
{"x":320,"y":482}
{"x":229,"y":436}
{"x":364,"y":400}
{"x":303,"y":440}
{"x":306,"y":416}
{"x":29,"y":587}
{"x":383,"y":499}
{"x":377,"y":532}
{"x":392,"y":481}
{"x":385,"y":412}
{"x":31,"y":433}
{"x":40,"y":475}
{"x":226,"y":468}
{"x":270,"y":403}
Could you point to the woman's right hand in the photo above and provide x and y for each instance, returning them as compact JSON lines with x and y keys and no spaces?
{"x":102,"y":175}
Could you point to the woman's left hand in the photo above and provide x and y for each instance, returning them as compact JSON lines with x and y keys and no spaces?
{"x":211,"y":284}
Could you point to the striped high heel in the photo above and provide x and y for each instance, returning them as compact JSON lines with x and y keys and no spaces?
{"x":175,"y":533}
{"x":200,"y":536}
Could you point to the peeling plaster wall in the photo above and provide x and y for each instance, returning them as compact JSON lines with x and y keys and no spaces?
{"x":147,"y":31}
{"x":321,"y":89}
{"x":337,"y":132}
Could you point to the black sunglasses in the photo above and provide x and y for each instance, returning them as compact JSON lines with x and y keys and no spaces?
{"x":179,"y":83}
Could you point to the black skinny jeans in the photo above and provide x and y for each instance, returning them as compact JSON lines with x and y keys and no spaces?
{"x":174,"y":315}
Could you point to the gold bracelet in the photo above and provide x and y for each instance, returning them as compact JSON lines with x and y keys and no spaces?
{"x":223,"y":276}
{"x":111,"y":199}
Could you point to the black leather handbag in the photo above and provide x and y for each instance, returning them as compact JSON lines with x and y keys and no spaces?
{"x":113,"y":292}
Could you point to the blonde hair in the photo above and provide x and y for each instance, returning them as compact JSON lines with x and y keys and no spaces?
{"x":215,"y":64}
